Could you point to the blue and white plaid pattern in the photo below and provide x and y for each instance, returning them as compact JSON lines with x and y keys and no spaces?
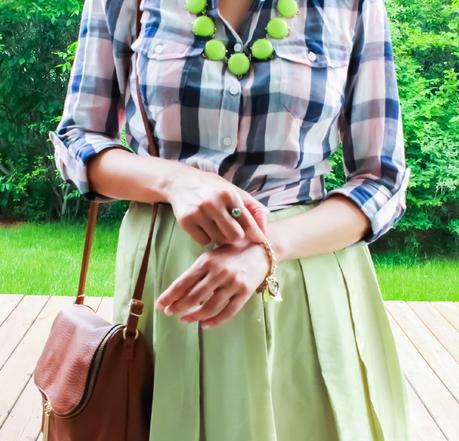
{"x":331,"y":83}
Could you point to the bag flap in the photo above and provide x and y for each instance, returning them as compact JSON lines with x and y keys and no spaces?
{"x":62,"y":370}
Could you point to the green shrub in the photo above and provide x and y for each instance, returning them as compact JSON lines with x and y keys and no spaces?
{"x":426,"y":49}
{"x":33,"y":80}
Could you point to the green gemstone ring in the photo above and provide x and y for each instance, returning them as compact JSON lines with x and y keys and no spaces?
{"x":236,"y":212}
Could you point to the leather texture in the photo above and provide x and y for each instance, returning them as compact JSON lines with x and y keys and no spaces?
{"x":77,"y":334}
{"x":96,"y":377}
{"x":108,"y":400}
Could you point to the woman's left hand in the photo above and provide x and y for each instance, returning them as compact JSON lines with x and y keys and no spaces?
{"x":218,"y":283}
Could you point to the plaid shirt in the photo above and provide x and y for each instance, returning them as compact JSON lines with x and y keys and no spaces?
{"x":331,"y":84}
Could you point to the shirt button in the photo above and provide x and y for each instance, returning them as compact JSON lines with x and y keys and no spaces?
{"x":312,"y":56}
{"x":237,"y":47}
{"x":227,"y":140}
{"x":159,"y":48}
{"x":234,"y":90}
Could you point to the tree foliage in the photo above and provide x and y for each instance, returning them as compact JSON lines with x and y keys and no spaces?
{"x":32,"y":87}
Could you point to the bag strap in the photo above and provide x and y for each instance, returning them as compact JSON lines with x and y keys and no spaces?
{"x":136,"y":304}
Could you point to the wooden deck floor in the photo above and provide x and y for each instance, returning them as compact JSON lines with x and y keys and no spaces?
{"x":427,"y":336}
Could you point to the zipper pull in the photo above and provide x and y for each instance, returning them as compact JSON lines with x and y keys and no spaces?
{"x":48,"y":410}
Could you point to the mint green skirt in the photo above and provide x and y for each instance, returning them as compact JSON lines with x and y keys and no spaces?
{"x":319,"y":366}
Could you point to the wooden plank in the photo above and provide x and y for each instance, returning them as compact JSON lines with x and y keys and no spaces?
{"x":432,"y":392}
{"x":25,"y":418}
{"x":17,"y":371}
{"x":18,"y":322}
{"x":436,"y":356}
{"x":418,"y":335}
{"x":106,"y":309}
{"x":443,"y":330}
{"x":449,"y":310}
{"x":7,"y":303}
{"x":93,"y":302}
{"x":422,"y":426}
{"x":23,"y":423}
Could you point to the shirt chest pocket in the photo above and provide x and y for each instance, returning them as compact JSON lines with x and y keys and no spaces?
{"x":311,"y":85}
{"x":164,"y":68}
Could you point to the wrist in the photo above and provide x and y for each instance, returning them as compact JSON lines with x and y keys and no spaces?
{"x":163,"y":178}
{"x":274,"y":237}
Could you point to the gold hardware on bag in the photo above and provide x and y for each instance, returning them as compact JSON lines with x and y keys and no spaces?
{"x":136,"y":334}
{"x":131,"y":302}
{"x":48,"y":410}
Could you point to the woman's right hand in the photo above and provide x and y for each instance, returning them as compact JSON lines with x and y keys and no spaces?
{"x":202,"y":202}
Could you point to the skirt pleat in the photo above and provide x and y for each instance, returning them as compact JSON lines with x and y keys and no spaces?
{"x":319,"y":366}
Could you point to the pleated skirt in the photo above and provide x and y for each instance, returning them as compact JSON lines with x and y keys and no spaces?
{"x":319,"y":366}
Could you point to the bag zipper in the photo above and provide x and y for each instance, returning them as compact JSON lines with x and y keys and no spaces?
{"x":94,"y":369}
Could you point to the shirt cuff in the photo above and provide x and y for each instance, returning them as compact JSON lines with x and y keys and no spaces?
{"x":71,"y":161}
{"x":383,"y":208}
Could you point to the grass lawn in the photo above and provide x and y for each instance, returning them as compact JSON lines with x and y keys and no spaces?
{"x":45,"y":259}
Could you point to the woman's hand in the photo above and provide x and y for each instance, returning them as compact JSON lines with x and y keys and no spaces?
{"x":202,"y":202}
{"x":219,"y":283}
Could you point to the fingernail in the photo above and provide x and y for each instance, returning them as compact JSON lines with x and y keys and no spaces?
{"x":168,"y":311}
{"x":204,"y":326}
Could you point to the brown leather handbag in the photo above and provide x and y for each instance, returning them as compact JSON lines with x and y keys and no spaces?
{"x":96,"y":377}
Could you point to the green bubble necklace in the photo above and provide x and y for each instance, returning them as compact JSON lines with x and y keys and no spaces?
{"x":262,"y":49}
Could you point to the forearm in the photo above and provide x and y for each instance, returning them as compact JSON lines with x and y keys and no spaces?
{"x":123,"y":175}
{"x":332,"y":225}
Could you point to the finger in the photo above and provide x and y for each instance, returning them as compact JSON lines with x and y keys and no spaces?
{"x":230,"y":229}
{"x":245,"y":220}
{"x":197,"y":233}
{"x":180,"y":286}
{"x":251,"y":228}
{"x":234,"y":305}
{"x":259,"y":214}
{"x":212,"y":306}
{"x":194,"y":295}
{"x":211,"y":228}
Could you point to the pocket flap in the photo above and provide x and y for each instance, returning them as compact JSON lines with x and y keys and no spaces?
{"x":166,"y":48}
{"x":301,"y":53}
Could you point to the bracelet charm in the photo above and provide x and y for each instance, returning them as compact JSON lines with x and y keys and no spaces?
{"x":270,"y":288}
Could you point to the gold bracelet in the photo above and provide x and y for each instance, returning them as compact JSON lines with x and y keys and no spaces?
{"x":269,"y":288}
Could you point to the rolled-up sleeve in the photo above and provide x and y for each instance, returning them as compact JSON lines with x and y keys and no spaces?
{"x":93,"y":110}
{"x":371,"y":126}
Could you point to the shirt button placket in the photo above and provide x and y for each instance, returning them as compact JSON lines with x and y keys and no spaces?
{"x":229,"y":123}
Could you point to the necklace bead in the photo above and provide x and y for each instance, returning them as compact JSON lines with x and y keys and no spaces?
{"x":195,"y":6}
{"x":262,"y":49}
{"x":215,"y":50}
{"x":287,"y":8}
{"x":238,"y":63}
{"x":204,"y":26}
{"x":277,"y":28}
